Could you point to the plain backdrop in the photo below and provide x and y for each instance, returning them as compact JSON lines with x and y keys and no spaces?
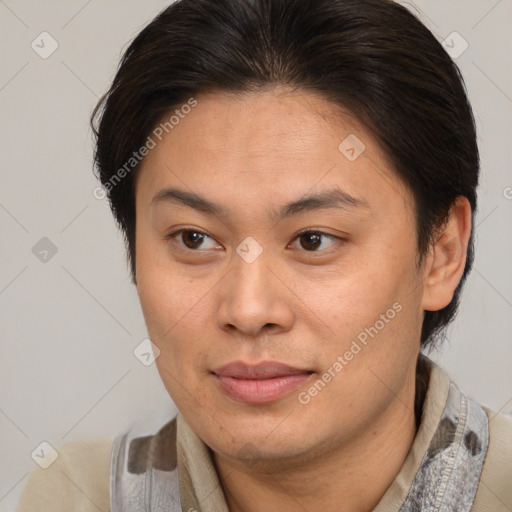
{"x":70,"y":316}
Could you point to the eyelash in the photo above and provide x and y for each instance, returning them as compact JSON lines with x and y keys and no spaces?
{"x":306,"y":231}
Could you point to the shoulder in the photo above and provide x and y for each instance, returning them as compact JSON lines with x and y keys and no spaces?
{"x":494,"y":491}
{"x":78,"y":479}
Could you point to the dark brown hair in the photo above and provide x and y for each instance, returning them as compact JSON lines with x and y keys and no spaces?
{"x":373,"y":57}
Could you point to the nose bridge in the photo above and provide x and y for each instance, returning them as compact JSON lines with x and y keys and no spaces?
{"x":250,"y":276}
{"x":250,"y":299}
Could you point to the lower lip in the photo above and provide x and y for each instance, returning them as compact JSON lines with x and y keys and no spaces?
{"x":261,"y":391}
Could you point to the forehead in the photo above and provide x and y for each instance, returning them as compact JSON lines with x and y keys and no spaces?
{"x":281,"y":118}
{"x":282,"y":138}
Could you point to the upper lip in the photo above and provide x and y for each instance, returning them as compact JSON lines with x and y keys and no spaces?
{"x":263,"y":370}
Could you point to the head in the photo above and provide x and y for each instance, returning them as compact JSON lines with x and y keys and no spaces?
{"x":295,"y":182}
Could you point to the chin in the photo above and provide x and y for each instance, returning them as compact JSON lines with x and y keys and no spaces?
{"x":268,"y":432}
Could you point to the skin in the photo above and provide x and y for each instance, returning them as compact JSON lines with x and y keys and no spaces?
{"x":206,"y":306}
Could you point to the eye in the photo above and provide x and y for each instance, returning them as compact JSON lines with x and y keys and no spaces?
{"x":193,"y":239}
{"x":313,"y":240}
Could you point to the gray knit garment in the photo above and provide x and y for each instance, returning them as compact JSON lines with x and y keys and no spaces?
{"x":448,"y":477}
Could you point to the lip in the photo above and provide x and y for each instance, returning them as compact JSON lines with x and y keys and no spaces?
{"x":262,"y":383}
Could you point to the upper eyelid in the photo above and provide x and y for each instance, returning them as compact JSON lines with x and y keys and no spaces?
{"x":310,"y":230}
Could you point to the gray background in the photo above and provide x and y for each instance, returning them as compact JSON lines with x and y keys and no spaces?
{"x":70,"y":324}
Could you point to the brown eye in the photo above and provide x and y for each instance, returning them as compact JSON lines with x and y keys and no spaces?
{"x":316,"y":241}
{"x":192,"y":239}
{"x":311,"y":241}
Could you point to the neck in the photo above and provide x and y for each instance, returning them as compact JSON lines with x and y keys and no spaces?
{"x":352,"y":477}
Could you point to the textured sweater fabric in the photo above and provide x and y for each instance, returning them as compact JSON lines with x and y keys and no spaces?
{"x":79,"y":480}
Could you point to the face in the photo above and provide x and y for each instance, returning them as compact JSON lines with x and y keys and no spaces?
{"x":277,"y":270}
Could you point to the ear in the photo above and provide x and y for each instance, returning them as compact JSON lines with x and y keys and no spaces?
{"x":445,"y":262}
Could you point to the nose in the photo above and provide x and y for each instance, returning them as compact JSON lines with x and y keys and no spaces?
{"x":254,"y":300}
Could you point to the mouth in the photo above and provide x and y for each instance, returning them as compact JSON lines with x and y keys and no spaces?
{"x":263,"y":383}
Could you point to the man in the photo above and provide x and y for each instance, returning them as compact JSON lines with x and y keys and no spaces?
{"x":296,"y":182}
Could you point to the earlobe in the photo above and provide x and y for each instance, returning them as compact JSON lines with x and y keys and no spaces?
{"x":447,"y":259}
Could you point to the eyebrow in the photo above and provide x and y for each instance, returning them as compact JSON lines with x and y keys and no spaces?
{"x":331,"y":198}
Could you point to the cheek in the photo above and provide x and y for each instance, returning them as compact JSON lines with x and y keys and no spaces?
{"x":356,"y":294}
{"x":173,"y":302}
{"x":381,"y":283}
{"x":173,"y":305}
{"x":176,"y":322}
